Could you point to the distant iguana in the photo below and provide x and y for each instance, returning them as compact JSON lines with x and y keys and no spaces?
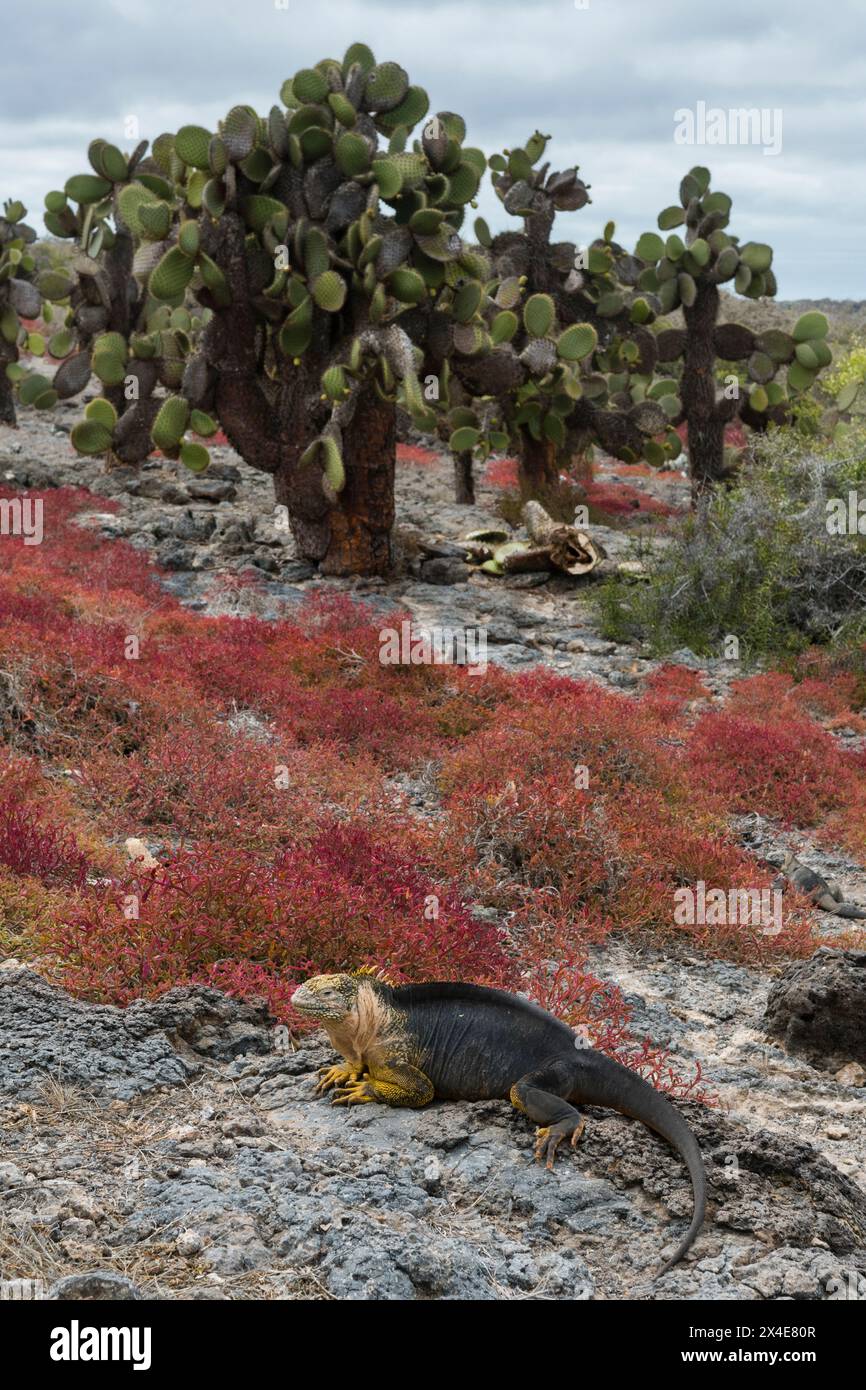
{"x":410,"y":1044}
{"x":823,"y":894}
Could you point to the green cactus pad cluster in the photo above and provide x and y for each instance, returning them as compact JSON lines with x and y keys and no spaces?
{"x":327,"y":238}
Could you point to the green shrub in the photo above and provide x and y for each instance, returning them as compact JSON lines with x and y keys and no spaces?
{"x":757,"y":562}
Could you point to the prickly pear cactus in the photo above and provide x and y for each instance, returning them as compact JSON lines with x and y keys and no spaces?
{"x":559,"y":357}
{"x":683,"y":269}
{"x":20,"y":299}
{"x":136,"y":345}
{"x":325,"y":244}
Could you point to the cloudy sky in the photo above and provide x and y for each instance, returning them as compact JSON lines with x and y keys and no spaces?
{"x":605,"y":78}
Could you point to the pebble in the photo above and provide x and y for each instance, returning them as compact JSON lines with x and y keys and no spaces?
{"x":189,"y":1243}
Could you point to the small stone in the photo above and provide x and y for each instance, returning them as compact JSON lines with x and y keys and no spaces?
{"x":684,"y":656}
{"x":10,"y":1175}
{"x":445,"y":571}
{"x":526,"y":581}
{"x":248,"y":1124}
{"x":235,"y":533}
{"x":176,"y":495}
{"x":147,"y":487}
{"x":96,"y":1284}
{"x":175,"y":557}
{"x":78,"y":1228}
{"x":818,"y":1007}
{"x":837,"y":1132}
{"x":432,"y":1179}
{"x":211,"y":490}
{"x":852,"y":1074}
{"x":228,"y":472}
{"x":266,"y":561}
{"x":194,"y":526}
{"x":296,"y":571}
{"x":622,"y":679}
{"x":189,"y":1243}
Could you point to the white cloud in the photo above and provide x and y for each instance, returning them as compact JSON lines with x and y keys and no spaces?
{"x":604,"y":82}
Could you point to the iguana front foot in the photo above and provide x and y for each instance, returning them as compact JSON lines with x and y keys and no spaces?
{"x":549,"y":1137}
{"x":340,"y":1075}
{"x":354,"y":1093}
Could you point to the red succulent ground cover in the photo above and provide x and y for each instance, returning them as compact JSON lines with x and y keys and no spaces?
{"x":416,"y":454}
{"x":259,"y":757}
{"x":735,"y":435}
{"x":604,"y":495}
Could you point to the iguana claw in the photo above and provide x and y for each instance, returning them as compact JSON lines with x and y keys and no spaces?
{"x":549,"y":1137}
{"x":337,"y":1076}
{"x":354,"y":1093}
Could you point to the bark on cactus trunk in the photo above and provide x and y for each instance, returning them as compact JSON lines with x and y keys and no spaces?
{"x":352,"y":535}
{"x":272,"y":424}
{"x":706,"y":427}
{"x":539,"y":467}
{"x":464,"y":481}
{"x":7,"y":399}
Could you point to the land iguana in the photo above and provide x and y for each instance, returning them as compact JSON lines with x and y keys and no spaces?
{"x":409,"y":1044}
{"x":825,"y":895}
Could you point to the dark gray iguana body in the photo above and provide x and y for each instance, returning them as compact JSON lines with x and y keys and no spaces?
{"x":411,"y":1044}
{"x":827,"y":896}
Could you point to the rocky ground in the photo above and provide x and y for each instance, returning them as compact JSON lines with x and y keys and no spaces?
{"x":200,"y":528}
{"x":178,"y":1145}
{"x":177,"y":1148}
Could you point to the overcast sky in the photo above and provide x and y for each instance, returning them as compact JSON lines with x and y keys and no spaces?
{"x":605,"y":81}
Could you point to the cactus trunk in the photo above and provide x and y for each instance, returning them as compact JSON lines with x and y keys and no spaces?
{"x":352,"y":535}
{"x":7,"y":398}
{"x":464,"y":481}
{"x":706,"y":430}
{"x":539,"y":469}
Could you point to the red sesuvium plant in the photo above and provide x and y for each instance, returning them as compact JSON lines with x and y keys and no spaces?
{"x":607,"y":856}
{"x":33,"y":848}
{"x":337,"y":902}
{"x":259,"y":760}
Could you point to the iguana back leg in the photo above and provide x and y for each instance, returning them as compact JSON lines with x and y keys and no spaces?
{"x":827,"y":902}
{"x":390,"y":1083}
{"x":541,"y":1095}
{"x":835,"y":891}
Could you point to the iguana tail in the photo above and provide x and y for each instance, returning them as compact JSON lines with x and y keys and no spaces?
{"x":847,"y":910}
{"x":606,"y":1082}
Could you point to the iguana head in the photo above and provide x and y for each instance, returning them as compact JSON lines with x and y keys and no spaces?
{"x":327,"y":998}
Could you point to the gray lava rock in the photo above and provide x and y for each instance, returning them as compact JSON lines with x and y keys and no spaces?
{"x":212,"y":490}
{"x":226,"y":471}
{"x":818,"y":1006}
{"x":174,"y":556}
{"x":117,"y":1053}
{"x":208,"y":1021}
{"x":445,"y":570}
{"x":194,"y":526}
{"x":97,"y":1284}
{"x":296,"y":571}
